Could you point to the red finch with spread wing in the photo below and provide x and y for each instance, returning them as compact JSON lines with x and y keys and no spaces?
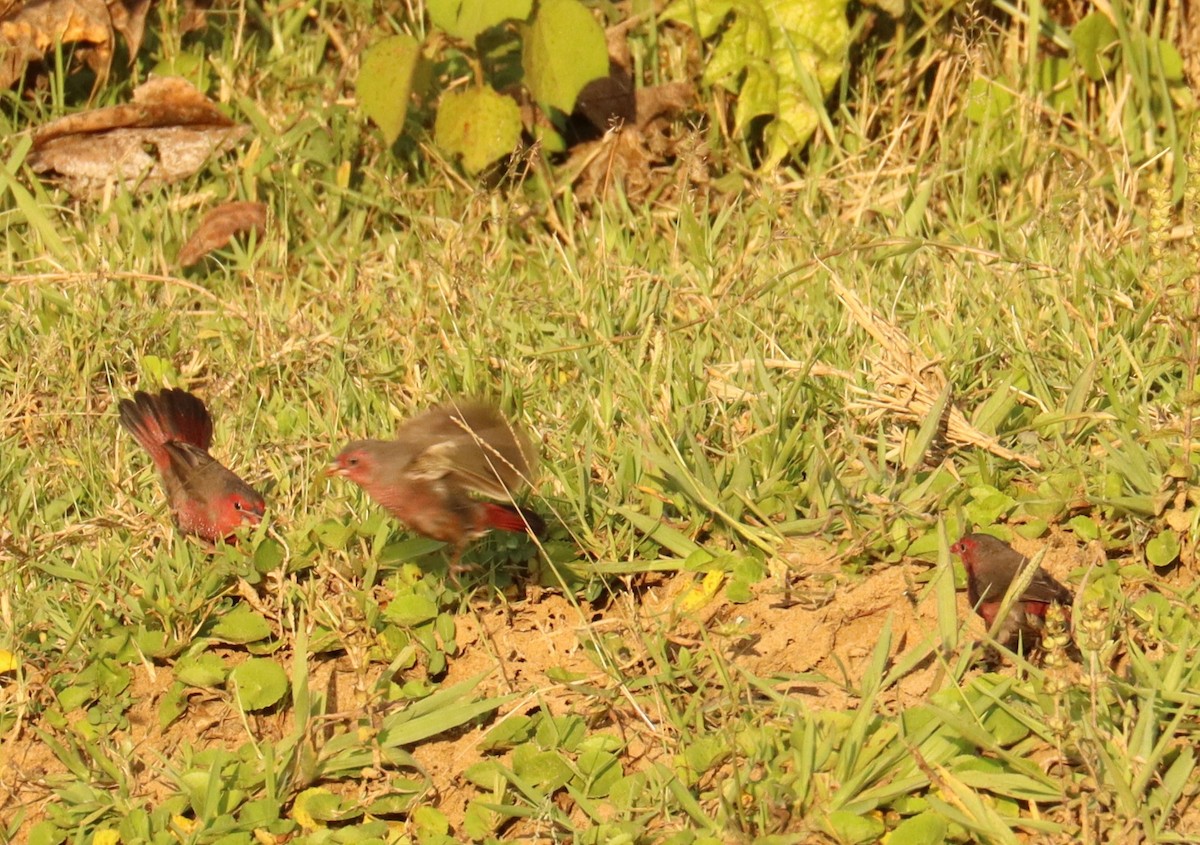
{"x":992,"y":565}
{"x":206,"y":498}
{"x":426,"y":475}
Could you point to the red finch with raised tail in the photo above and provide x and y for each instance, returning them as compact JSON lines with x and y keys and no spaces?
{"x":426,"y":475}
{"x":206,"y":499}
{"x":992,"y":565}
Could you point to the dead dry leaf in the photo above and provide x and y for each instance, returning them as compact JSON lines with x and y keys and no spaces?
{"x":220,"y":226}
{"x":167,"y":133}
{"x":631,"y":154}
{"x":129,"y":19}
{"x":30,"y":30}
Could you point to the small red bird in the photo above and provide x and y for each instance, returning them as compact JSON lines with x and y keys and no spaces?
{"x":992,"y":565}
{"x":206,"y":499}
{"x":425,"y":476}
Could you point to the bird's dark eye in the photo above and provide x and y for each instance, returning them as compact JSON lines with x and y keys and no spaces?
{"x":352,"y":462}
{"x":237,"y":505}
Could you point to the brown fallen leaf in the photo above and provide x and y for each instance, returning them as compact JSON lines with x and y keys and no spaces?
{"x":167,"y":133}
{"x":220,"y":225}
{"x":632,"y":153}
{"x":29,"y":30}
{"x":162,"y":101}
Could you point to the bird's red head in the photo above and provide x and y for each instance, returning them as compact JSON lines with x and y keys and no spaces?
{"x":356,"y":462}
{"x":966,"y":548}
{"x":238,"y":508}
{"x":248,"y":508}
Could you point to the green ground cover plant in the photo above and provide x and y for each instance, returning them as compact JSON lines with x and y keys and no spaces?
{"x":766,"y":403}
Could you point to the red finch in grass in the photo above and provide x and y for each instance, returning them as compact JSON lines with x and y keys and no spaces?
{"x":206,"y":498}
{"x":426,"y":475}
{"x":992,"y":565}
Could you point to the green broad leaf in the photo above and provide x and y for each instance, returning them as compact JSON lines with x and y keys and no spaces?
{"x":987,"y":505}
{"x":1163,"y":549}
{"x":561,"y":732}
{"x":154,"y":643}
{"x":564,"y":49}
{"x":782,"y":59}
{"x":259,"y":683}
{"x":392,"y":804}
{"x":549,"y":139}
{"x":1032,"y":529}
{"x":809,"y":45}
{"x":241,"y":625}
{"x":704,"y":16}
{"x":1004,"y":727}
{"x":1095,"y":38}
{"x":332,"y":534}
{"x":385,"y":81}
{"x":480,"y":821}
{"x":702,"y":560}
{"x":924,"y":829}
{"x":411,"y":610}
{"x":701,"y":755}
{"x":259,"y":813}
{"x":446,"y":629}
{"x":202,"y":670}
{"x":268,"y":556}
{"x":1085,"y":527}
{"x":853,"y":828}
{"x":988,"y":102}
{"x":319,"y":805}
{"x":480,"y":125}
{"x":45,"y":833}
{"x":739,"y":592}
{"x":599,"y":772}
{"x":172,"y":705}
{"x":1170,"y":59}
{"x":544,"y":769}
{"x":430,"y":820}
{"x":510,"y":732}
{"x":465,"y":19}
{"x":758,"y":96}
{"x":487,"y":775}
{"x":1055,"y":76}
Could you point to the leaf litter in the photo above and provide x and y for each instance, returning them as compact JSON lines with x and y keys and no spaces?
{"x":28,"y":31}
{"x":166,"y":134}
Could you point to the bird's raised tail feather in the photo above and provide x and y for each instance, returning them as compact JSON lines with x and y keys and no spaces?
{"x":170,"y":416}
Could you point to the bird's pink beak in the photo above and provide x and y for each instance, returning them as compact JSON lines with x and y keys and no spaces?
{"x":335,"y":469}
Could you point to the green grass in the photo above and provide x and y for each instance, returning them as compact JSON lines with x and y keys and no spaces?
{"x":721,"y":483}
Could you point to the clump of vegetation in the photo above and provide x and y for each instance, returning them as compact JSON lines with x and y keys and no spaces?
{"x":770,"y":387}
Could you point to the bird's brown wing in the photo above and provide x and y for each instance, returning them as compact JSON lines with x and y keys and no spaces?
{"x":1044,"y":587}
{"x":471,"y":445}
{"x":196,"y":476}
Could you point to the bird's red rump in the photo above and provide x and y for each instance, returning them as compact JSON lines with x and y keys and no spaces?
{"x":1037,"y":608}
{"x":988,"y":611}
{"x":508,"y":518}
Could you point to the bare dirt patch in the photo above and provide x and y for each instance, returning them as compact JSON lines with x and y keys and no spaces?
{"x":821,"y":630}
